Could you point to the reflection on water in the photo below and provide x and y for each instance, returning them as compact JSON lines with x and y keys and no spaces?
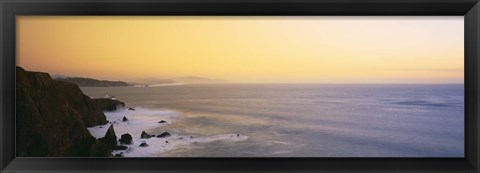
{"x":308,"y":120}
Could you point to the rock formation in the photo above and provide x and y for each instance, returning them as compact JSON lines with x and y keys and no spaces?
{"x":108,"y":105}
{"x":126,"y":139}
{"x":164,"y":135}
{"x":110,"y":138}
{"x":89,"y":82}
{"x":52,"y":117}
{"x":143,"y":144}
{"x":144,"y":135}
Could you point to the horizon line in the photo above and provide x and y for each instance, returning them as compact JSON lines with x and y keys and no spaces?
{"x":308,"y":83}
{"x":229,"y":82}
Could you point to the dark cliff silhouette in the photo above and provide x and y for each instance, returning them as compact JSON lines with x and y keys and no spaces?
{"x":88,"y":82}
{"x":52,"y":117}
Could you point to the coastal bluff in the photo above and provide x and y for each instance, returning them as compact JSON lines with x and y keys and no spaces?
{"x":52,"y":117}
{"x":108,"y":105}
{"x":88,"y":82}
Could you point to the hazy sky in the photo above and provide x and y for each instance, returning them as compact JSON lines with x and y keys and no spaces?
{"x":246,"y":49}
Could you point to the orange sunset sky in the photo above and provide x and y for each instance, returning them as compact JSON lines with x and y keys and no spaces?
{"x":318,"y":49}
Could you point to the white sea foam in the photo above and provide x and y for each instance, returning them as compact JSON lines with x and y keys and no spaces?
{"x":280,"y":142}
{"x":139,"y":120}
{"x":310,"y":120}
{"x":157,"y":146}
{"x":146,"y":119}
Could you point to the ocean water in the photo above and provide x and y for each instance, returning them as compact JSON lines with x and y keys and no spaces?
{"x":291,"y":120}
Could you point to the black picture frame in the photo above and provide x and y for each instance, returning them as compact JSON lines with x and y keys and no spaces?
{"x":470,"y":9}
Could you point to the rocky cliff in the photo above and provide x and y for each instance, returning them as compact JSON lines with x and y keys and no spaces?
{"x":89,"y":82}
{"x":52,"y":117}
{"x":108,"y":104}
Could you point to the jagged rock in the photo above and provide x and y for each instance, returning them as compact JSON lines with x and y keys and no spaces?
{"x":144,"y":135}
{"x":163,"y":135}
{"x":119,"y":147}
{"x":126,"y":139}
{"x":124,"y":119}
{"x":52,"y":117}
{"x":110,"y":138}
{"x":163,"y":121}
{"x":143,"y":144}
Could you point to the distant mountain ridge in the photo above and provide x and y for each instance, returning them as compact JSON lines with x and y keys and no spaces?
{"x":89,"y":82}
{"x":148,"y":82}
{"x":198,"y":80}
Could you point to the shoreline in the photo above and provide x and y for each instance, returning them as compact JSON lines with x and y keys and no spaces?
{"x":144,"y":119}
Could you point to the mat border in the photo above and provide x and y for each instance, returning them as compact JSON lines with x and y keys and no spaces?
{"x":9,"y":9}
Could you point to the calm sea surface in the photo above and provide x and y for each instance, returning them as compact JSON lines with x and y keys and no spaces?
{"x":297,"y":120}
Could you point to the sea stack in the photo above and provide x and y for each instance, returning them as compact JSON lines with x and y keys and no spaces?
{"x":126,"y":139}
{"x":144,"y":135}
{"x":164,"y":135}
{"x":110,"y":137}
{"x":143,"y":144}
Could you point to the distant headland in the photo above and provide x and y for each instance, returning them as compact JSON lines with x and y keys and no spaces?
{"x":89,"y":82}
{"x":148,"y":82}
